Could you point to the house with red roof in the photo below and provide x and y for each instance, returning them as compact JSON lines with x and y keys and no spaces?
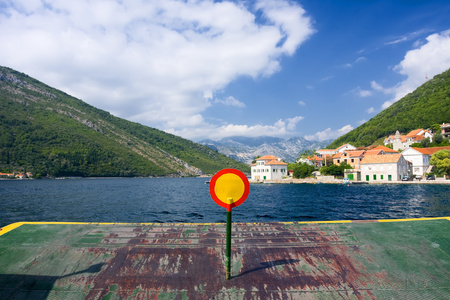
{"x":312,"y":160}
{"x":269,"y":167}
{"x":381,"y":168}
{"x":351,"y":157}
{"x":420,"y":158}
{"x":331,"y":152}
{"x":386,"y":150}
{"x":315,"y":161}
{"x":399,"y":141}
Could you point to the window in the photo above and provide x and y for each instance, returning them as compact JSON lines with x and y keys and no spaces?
{"x":374,"y":176}
{"x":390,"y":177}
{"x":353,"y":160}
{"x":367,"y":177}
{"x":381,"y":177}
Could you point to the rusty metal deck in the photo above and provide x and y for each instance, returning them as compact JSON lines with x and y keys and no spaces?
{"x":408,"y":259}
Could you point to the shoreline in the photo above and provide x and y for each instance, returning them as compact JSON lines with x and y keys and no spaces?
{"x":340,"y":181}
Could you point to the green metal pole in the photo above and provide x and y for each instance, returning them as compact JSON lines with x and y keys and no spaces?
{"x":228,"y":250}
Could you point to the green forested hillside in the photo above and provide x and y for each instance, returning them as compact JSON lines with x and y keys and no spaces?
{"x":46,"y":131}
{"x":427,"y":105}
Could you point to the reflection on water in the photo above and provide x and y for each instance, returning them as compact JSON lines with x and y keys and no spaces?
{"x":188,"y":200}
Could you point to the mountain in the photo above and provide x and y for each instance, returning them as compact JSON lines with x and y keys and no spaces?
{"x":245,"y":149}
{"x":429,"y":104}
{"x":43,"y":130}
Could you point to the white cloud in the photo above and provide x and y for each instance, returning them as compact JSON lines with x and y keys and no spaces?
{"x":407,"y":37}
{"x":301,"y":103}
{"x":292,"y":122}
{"x":329,"y":134}
{"x":327,"y":78}
{"x":279,"y":128}
{"x":370,"y":110}
{"x":362,"y":121}
{"x":291,"y":19}
{"x":155,"y":62}
{"x":398,"y":40}
{"x":231,"y":101}
{"x":362,"y":93}
{"x":429,"y":60}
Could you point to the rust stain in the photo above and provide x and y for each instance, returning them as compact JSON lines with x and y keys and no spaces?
{"x":260,"y":271}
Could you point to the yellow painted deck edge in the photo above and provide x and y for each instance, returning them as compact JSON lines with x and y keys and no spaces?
{"x":10,"y":227}
{"x":13,"y":226}
{"x":417,"y":219}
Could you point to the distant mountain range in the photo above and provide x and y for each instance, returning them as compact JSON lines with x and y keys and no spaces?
{"x":45,"y":131}
{"x":245,"y":149}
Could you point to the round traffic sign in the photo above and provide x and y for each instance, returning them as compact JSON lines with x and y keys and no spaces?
{"x":229,"y":188}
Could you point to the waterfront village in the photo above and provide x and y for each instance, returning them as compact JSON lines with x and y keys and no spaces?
{"x":396,"y":160}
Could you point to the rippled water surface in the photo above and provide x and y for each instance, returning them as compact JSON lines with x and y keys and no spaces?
{"x":188,"y":200}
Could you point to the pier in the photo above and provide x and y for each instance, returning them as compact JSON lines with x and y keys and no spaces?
{"x":379,"y":259}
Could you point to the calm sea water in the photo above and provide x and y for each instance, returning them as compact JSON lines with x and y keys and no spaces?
{"x":188,"y":200}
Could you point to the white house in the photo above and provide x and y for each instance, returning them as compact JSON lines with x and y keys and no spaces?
{"x":399,"y":141}
{"x":331,"y":152}
{"x":269,"y":167}
{"x":420,"y":158}
{"x":324,"y":153}
{"x":384,"y":167}
{"x":312,"y":161}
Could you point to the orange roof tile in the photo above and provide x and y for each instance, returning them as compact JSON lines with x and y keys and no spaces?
{"x":385,"y":149}
{"x":267,"y":157}
{"x":315,"y":157}
{"x":351,"y":153}
{"x":373,"y":152}
{"x":431,"y":150}
{"x":381,"y":159}
{"x":355,"y":153}
{"x":276,"y":162}
{"x":414,"y":132}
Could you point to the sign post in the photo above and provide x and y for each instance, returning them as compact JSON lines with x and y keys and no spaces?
{"x":229,"y":188}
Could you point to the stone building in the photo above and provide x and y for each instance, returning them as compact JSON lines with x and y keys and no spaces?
{"x":385,"y":168}
{"x":269,"y":167}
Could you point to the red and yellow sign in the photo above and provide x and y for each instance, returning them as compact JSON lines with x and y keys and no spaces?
{"x":229,"y":188}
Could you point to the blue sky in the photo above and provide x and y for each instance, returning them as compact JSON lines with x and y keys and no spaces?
{"x":205,"y":69}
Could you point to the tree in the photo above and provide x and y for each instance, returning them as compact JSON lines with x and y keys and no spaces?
{"x":335,"y":170}
{"x":254,"y":160}
{"x":425,"y":142}
{"x":302,"y":170}
{"x":436,"y":128}
{"x":438,"y":138}
{"x":441,"y":161}
{"x":307,"y":153}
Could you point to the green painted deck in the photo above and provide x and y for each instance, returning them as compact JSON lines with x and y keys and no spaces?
{"x":393,"y":259}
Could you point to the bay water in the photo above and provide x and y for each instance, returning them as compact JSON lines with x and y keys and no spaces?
{"x":187,"y":200}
